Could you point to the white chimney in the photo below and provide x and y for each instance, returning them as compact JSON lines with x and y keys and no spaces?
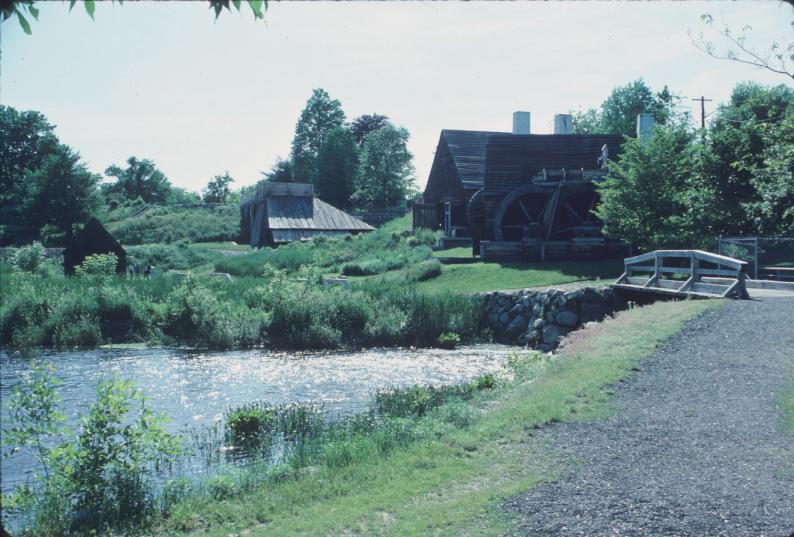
{"x":520,"y":122}
{"x":645,"y":124}
{"x":563,"y":124}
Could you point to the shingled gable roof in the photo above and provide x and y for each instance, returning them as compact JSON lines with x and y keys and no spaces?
{"x":468,"y":150}
{"x":475,"y":154}
{"x":513,"y":157}
{"x":310,"y":214}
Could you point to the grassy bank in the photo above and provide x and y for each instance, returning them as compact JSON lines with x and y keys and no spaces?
{"x":279,"y":311}
{"x":467,"y":456}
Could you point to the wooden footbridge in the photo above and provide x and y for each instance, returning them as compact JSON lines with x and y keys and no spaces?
{"x":684,"y":273}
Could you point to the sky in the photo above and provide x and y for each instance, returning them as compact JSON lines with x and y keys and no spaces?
{"x":166,"y":81}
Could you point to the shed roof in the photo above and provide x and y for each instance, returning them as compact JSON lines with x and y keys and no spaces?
{"x":92,"y":239}
{"x":519,"y":157}
{"x":309,"y":213}
{"x":476,"y":154}
{"x":468,"y":149}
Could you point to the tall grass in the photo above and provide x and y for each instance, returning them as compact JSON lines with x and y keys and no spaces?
{"x":51,"y":310}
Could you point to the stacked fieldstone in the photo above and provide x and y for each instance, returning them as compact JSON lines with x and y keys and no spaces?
{"x":539,"y":319}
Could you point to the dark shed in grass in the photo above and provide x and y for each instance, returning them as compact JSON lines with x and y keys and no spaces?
{"x":93,"y":239}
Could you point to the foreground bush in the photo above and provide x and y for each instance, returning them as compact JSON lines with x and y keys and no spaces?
{"x":99,"y":478}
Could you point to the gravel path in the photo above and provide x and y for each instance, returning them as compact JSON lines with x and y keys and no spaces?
{"x":695,"y":446}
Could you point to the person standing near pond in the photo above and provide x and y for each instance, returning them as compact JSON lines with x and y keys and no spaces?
{"x":136,"y":269}
{"x":147,"y":271}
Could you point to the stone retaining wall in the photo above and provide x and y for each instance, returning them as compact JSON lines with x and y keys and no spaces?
{"x":540,"y":319}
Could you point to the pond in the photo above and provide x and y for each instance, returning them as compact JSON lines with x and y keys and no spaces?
{"x":194,"y":389}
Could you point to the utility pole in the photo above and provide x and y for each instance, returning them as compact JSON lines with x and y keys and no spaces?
{"x":703,"y":101}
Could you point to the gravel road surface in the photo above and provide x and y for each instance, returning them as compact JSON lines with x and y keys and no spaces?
{"x":695,"y":447}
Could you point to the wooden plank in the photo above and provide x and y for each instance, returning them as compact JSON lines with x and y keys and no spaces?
{"x":717,"y":272}
{"x":712,"y":288}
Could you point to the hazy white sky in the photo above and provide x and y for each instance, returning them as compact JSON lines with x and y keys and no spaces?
{"x":165,"y":81}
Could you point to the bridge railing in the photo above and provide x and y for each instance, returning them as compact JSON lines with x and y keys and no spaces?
{"x":682,"y":272}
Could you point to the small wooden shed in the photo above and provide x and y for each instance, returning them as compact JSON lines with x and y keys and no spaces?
{"x":93,"y":239}
{"x":278,"y":213}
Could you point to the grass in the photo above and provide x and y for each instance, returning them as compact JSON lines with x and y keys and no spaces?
{"x":477,"y":277}
{"x":460,"y":252}
{"x":452,"y":481}
{"x":223,"y":246}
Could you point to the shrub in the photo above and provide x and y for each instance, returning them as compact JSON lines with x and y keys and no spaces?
{"x":425,"y":236}
{"x":426,"y":270}
{"x":222,"y":487}
{"x":29,"y":258}
{"x":102,"y":477}
{"x":448,"y":340}
{"x":97,"y":266}
{"x":248,"y":424}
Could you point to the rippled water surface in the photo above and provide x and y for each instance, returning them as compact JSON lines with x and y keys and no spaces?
{"x":196,"y":388}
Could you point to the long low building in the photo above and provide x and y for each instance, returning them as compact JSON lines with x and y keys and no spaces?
{"x":278,"y":213}
{"x":518,"y":195}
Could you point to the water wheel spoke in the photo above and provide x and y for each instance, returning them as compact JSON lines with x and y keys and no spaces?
{"x":573,"y":212}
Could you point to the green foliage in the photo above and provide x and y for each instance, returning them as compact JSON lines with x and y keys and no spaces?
{"x":448,"y":340}
{"x":248,"y":424}
{"x":21,"y":7}
{"x":29,"y":258}
{"x":772,"y":207}
{"x":98,"y":267}
{"x":98,"y":478}
{"x":747,"y":140}
{"x":386,"y":172}
{"x":63,"y":191}
{"x":644,"y":199}
{"x":217,"y":190}
{"x":197,"y":315}
{"x":424,"y":270}
{"x":618,"y":113}
{"x":171,"y":224}
{"x":27,"y":138}
{"x":281,"y":172}
{"x":140,"y":179}
{"x":178,"y":256}
{"x":337,"y":167}
{"x":366,"y":124}
{"x":320,"y":116}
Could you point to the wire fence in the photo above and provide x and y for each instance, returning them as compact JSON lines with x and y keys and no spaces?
{"x":765,"y":255}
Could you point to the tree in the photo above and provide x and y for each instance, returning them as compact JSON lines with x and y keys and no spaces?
{"x":281,"y":172}
{"x":20,"y":8}
{"x":588,"y":122}
{"x":338,"y":165}
{"x":739,"y":144}
{"x":385,"y":171}
{"x":65,"y":191}
{"x":738,"y":48}
{"x":141,"y":179}
{"x":320,"y":116}
{"x":363,"y":125}
{"x":619,"y":110}
{"x":26,"y":138}
{"x":217,"y":190}
{"x":645,"y":198}
{"x":772,"y":211}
